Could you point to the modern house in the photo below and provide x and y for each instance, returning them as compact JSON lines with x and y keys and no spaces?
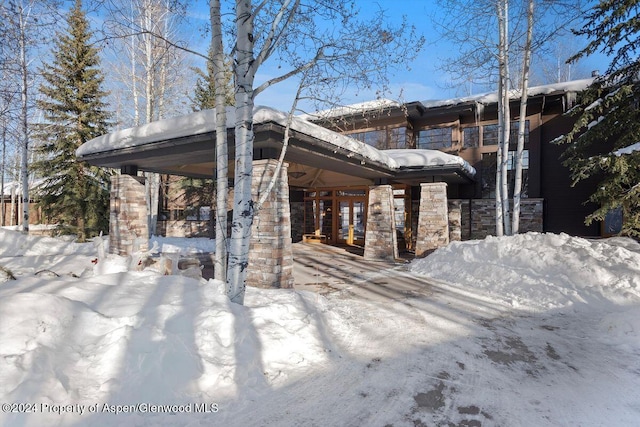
{"x":384,"y":175}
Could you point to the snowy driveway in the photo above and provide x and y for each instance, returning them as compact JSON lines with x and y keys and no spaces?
{"x":437,"y":353}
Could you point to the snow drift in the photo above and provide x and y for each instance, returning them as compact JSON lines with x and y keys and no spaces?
{"x":541,"y":271}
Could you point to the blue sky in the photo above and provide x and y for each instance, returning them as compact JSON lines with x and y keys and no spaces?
{"x":420,"y":80}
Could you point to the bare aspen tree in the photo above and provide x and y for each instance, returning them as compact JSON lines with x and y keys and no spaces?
{"x":526,"y":63}
{"x":147,"y":31}
{"x":486,"y":61}
{"x":23,"y":17}
{"x":245,"y":67}
{"x":503,"y":118}
{"x":287,"y":27}
{"x":26,"y":22}
{"x":222,"y":155}
{"x":2,"y":169}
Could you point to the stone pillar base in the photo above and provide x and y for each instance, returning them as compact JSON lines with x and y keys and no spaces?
{"x":381,"y":240}
{"x":270,"y":254}
{"x":128,"y":226}
{"x":433,"y":219}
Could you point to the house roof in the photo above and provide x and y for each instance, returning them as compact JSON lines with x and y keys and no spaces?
{"x":492,"y":97}
{"x":185,"y":145}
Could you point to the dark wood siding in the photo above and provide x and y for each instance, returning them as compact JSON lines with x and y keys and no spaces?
{"x":565,"y":208}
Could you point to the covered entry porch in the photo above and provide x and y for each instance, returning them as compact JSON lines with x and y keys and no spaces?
{"x":349,"y":191}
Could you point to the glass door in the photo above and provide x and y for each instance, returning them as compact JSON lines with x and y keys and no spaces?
{"x":351,"y":221}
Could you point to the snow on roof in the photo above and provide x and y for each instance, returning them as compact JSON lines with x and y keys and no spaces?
{"x":346,"y":110}
{"x":191,"y":124}
{"x":492,"y":97}
{"x":16,"y":186}
{"x":421,"y":158}
{"x":11,"y":186}
{"x":205,"y":121}
{"x":265,"y":114}
{"x":627,"y":150}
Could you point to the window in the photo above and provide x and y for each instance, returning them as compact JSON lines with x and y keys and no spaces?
{"x":513,"y":137}
{"x":434,"y":139}
{"x":397,"y":138}
{"x":488,"y":178}
{"x":511,"y":161}
{"x":612,"y":223}
{"x":318,"y":217}
{"x":375,"y":138}
{"x":490,"y":134}
{"x":384,"y":138}
{"x":471,"y":137}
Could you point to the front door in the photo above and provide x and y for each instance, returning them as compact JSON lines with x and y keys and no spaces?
{"x":351,"y":221}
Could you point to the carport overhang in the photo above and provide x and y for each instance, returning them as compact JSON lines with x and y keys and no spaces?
{"x":313,"y":161}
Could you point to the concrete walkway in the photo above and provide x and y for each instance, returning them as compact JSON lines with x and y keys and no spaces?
{"x":328,"y":269}
{"x":343,"y":271}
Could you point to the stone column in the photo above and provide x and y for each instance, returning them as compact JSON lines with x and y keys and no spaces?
{"x":381,"y":240}
{"x":433,"y":220}
{"x":128,"y":226}
{"x":270,"y":254}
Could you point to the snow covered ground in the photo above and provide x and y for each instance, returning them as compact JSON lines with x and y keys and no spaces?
{"x":531,"y":330}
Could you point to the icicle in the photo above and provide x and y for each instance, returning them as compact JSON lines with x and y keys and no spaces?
{"x":479,"y":112}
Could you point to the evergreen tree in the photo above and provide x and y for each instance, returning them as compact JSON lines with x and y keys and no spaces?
{"x":201,"y":192}
{"x":74,"y":194}
{"x":608,"y":116}
{"x":204,"y":96}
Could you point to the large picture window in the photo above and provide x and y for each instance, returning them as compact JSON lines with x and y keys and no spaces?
{"x":471,"y":137}
{"x":375,"y":138}
{"x":434,"y":139}
{"x":397,"y":138}
{"x":490,"y":133}
{"x":383,"y":139}
{"x":489,"y":166}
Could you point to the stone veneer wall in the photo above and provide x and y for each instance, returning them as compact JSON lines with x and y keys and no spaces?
{"x":455,"y":220}
{"x":381,"y":240}
{"x":415,"y":213}
{"x":128,"y":226}
{"x":478,"y":217}
{"x":270,"y":254}
{"x":433,"y":220}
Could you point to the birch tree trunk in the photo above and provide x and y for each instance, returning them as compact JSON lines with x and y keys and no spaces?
{"x":222,"y":155}
{"x":242,"y":201}
{"x":4,"y":164}
{"x":506,"y":129}
{"x":517,"y":190}
{"x":12,"y":214}
{"x":24,"y":163}
{"x":134,"y":76}
{"x":502,"y":37}
{"x":152,"y":183}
